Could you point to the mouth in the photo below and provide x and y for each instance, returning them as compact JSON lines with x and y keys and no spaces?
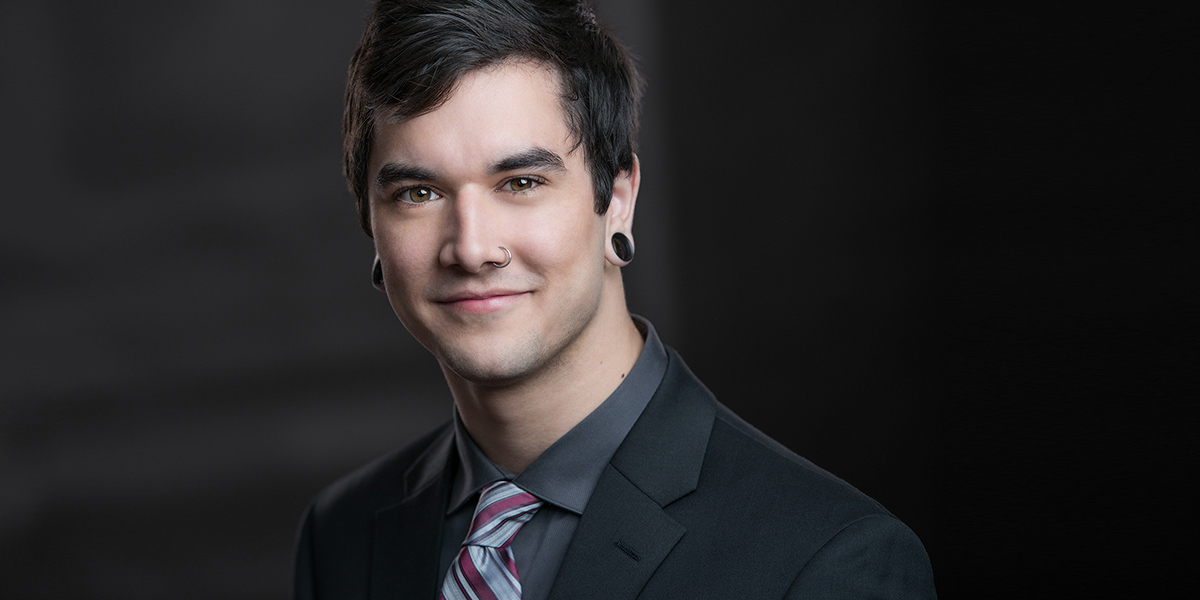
{"x":481,"y":301}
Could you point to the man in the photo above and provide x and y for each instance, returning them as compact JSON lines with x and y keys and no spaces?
{"x":489,"y":144}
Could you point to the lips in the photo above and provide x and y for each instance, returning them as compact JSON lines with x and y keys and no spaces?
{"x":481,"y":301}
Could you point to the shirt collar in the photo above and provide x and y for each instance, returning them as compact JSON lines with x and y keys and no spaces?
{"x":567,"y":472}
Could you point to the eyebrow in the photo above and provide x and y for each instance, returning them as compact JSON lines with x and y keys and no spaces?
{"x":393,"y":172}
{"x":390,"y":173}
{"x":533,"y":157}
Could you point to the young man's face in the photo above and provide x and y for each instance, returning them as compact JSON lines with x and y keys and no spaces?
{"x":491,"y":167}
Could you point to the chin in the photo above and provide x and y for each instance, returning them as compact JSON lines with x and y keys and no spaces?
{"x":494,"y":365}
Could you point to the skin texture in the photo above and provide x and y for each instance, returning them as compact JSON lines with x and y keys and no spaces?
{"x":530,"y":349}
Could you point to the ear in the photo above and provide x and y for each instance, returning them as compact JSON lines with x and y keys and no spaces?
{"x":619,"y":218}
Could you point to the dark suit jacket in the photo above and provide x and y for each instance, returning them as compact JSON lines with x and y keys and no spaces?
{"x":695,"y":503}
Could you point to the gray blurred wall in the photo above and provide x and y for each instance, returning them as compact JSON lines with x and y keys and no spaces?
{"x":190,"y":347}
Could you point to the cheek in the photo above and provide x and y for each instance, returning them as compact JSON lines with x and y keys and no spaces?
{"x":405,"y":256}
{"x":565,"y":239}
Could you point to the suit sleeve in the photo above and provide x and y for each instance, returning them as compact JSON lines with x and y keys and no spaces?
{"x":874,"y":557}
{"x":303,"y":587}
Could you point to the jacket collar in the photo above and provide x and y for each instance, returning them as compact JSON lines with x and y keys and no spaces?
{"x":664,"y":451}
{"x":624,"y":534}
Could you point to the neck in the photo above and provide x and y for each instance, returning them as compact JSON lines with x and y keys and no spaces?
{"x":515,"y":422}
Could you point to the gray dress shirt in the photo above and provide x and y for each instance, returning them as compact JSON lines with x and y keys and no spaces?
{"x":563,"y":476}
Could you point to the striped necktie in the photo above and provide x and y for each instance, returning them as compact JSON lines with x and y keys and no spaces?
{"x":484,"y":568}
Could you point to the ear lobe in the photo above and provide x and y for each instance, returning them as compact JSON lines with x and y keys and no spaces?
{"x":619,"y":218}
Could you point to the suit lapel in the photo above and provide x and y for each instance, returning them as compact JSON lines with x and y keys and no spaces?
{"x":624,"y":534}
{"x":408,"y":535}
{"x":620,"y":541}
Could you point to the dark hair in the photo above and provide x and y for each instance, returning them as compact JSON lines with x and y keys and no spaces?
{"x":413,"y":52}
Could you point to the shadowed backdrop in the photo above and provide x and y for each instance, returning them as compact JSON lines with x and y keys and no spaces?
{"x":191,"y":346}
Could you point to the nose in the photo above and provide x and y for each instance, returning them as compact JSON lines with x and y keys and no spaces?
{"x":472,"y":233}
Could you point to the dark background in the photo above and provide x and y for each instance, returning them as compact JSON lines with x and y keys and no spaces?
{"x":920,"y":246}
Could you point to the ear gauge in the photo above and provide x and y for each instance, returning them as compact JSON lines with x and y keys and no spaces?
{"x":622,"y":247}
{"x":377,"y":275}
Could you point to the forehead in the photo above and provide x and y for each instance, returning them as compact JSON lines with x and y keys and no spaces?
{"x":489,"y":112}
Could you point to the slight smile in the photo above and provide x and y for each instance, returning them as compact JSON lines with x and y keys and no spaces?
{"x":482,"y":302}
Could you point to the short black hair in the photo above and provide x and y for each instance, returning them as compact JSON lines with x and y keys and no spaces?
{"x":413,"y":52}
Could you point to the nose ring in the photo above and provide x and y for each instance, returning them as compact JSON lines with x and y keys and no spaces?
{"x":508,"y":254}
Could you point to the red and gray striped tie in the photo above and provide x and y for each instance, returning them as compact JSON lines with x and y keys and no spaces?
{"x":484,"y":568}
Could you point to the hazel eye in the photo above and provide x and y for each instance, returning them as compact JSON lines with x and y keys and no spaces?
{"x":418,"y":195}
{"x":521,"y":184}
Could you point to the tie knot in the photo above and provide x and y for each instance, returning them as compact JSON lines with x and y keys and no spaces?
{"x":503,"y":509}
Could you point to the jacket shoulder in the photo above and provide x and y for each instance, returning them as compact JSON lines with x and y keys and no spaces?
{"x":738,"y":458}
{"x":335,"y":540}
{"x":387,"y":479}
{"x":773,"y":465}
{"x":766,"y":519}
